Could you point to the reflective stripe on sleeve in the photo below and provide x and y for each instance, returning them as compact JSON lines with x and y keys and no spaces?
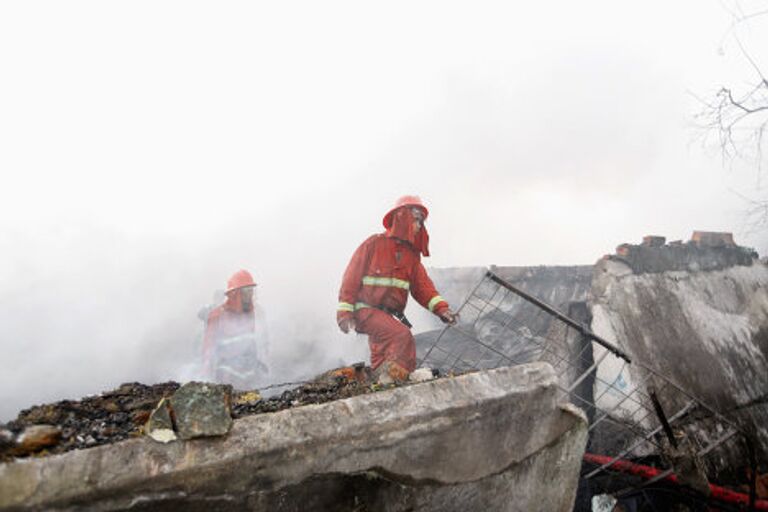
{"x":361,"y":305}
{"x":346,"y":306}
{"x":434,"y":302}
{"x":386,"y":281}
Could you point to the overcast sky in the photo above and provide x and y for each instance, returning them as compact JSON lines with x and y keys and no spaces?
{"x":150,"y":149}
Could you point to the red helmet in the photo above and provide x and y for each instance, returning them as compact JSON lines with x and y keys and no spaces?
{"x":240,"y":279}
{"x":405,"y":201}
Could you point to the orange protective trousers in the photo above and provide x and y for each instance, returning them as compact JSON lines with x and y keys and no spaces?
{"x":388,"y":339}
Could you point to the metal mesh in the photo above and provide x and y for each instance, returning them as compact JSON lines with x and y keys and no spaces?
{"x":503,"y":326}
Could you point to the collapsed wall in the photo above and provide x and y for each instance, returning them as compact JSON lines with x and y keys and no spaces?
{"x":696,"y":313}
{"x":496,"y":440}
{"x":698,"y":316}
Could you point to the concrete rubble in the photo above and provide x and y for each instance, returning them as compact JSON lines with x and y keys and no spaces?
{"x":696,"y":312}
{"x":134,"y":409}
{"x":496,"y":440}
{"x":706,"y":330}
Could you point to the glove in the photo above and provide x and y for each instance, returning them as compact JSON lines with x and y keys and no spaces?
{"x":347,"y":324}
{"x":449,"y":317}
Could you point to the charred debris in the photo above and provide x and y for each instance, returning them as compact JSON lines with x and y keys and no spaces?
{"x":134,"y":409}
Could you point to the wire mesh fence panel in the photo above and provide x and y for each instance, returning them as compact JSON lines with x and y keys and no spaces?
{"x":634,"y":413}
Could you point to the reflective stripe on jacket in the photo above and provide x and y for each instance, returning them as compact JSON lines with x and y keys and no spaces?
{"x":381,"y":273}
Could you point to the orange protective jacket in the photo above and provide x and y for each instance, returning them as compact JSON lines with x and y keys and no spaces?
{"x":385,"y":268}
{"x":226,"y":321}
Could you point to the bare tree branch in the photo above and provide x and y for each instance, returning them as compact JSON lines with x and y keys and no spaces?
{"x":738,"y":121}
{"x":735,"y":119}
{"x":746,"y":54}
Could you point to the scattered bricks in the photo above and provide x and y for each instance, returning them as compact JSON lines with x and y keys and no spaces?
{"x":654,"y":241}
{"x":36,"y":437}
{"x":202,"y":409}
{"x":713,"y":239}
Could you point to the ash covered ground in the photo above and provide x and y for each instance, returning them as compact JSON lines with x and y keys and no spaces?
{"x":123,"y":412}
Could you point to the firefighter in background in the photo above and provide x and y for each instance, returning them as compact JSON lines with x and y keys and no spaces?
{"x":375,"y":289}
{"x":235,"y":343}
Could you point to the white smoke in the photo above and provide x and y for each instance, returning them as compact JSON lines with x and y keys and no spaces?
{"x":150,"y":150}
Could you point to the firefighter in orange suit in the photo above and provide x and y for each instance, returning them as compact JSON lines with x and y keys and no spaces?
{"x":235,"y":342}
{"x":375,"y":288}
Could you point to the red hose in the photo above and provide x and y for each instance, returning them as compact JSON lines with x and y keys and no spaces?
{"x":647,"y":472}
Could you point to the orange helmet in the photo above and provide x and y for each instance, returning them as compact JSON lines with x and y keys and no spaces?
{"x":405,"y":201}
{"x":240,"y":279}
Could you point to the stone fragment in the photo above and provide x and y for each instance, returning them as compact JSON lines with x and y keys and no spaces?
{"x":163,"y":435}
{"x":36,"y":437}
{"x":603,"y":503}
{"x":202,"y":409}
{"x":159,"y":426}
{"x":421,"y":375}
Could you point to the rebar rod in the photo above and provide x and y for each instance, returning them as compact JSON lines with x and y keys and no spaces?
{"x":560,"y":316}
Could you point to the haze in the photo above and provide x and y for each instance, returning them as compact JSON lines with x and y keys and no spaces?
{"x":150,"y":149}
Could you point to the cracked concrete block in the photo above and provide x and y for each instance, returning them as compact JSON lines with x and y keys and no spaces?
{"x":496,"y":440}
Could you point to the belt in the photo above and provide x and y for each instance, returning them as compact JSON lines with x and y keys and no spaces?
{"x":397,"y":314}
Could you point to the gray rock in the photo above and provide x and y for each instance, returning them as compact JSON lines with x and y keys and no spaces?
{"x":202,"y":409}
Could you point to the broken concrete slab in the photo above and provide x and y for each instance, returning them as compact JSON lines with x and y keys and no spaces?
{"x":202,"y":409}
{"x":496,"y":439}
{"x":706,"y":330}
